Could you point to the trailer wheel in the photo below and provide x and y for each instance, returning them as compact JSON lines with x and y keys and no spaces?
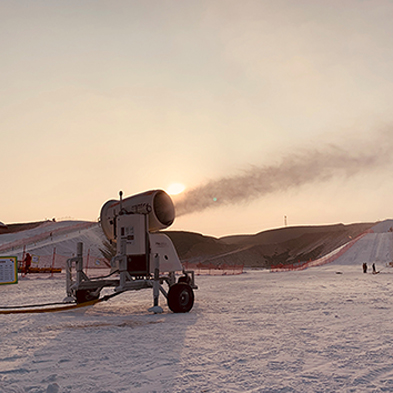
{"x":180,"y":297}
{"x":85,"y":295}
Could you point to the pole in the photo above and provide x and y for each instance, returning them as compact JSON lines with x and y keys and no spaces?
{"x":24,"y":252}
{"x":79,"y":263}
{"x":53,"y":260}
{"x":23,"y":261}
{"x":87,"y":262}
{"x":156,"y":286}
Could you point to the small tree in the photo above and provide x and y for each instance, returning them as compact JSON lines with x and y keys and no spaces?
{"x":108,"y":251}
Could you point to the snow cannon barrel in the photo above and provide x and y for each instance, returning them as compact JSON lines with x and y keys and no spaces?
{"x":157,"y":204}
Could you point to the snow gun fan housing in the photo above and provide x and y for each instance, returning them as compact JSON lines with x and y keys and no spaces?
{"x":157,"y":204}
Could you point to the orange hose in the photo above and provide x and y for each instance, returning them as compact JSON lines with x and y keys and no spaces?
{"x":53,"y":309}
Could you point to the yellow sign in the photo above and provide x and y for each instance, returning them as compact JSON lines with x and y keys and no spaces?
{"x":8,"y":270}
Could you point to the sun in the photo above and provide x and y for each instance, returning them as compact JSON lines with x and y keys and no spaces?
{"x":176,"y":188}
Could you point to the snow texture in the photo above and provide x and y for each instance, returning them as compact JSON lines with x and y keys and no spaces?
{"x":63,"y":236}
{"x":324,"y":329}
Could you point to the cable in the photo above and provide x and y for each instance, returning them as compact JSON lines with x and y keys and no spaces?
{"x":54,"y":309}
{"x":33,"y":305}
{"x":17,"y":309}
{"x":101,"y":277}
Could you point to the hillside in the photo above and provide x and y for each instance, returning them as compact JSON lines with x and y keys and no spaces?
{"x":283,"y":245}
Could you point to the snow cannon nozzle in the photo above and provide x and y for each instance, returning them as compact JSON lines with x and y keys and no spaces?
{"x":157,"y":205}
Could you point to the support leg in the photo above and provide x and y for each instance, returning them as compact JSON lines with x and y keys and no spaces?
{"x":156,"y":286}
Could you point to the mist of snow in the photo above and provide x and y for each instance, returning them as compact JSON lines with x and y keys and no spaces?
{"x":294,"y":170}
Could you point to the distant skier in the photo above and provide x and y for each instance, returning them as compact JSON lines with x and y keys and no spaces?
{"x":364,"y":267}
{"x":374,"y":270}
{"x":27,"y":263}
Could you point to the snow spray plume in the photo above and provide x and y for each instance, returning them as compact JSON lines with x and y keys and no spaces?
{"x":294,"y":171}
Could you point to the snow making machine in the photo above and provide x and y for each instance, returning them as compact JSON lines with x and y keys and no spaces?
{"x":145,"y":257}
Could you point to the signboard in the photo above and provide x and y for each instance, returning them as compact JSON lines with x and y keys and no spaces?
{"x":8,"y":270}
{"x":35,"y":260}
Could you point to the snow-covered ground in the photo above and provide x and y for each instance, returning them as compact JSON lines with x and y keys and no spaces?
{"x":324,"y":329}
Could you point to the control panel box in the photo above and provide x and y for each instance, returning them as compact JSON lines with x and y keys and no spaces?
{"x":132,"y":235}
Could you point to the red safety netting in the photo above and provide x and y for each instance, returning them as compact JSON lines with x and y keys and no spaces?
{"x":211,"y":269}
{"x":48,"y":263}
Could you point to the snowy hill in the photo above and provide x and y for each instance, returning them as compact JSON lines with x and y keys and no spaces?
{"x":374,"y":247}
{"x":265,"y":249}
{"x":54,"y":240}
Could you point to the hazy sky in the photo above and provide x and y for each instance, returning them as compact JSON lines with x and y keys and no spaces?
{"x":262,"y":109}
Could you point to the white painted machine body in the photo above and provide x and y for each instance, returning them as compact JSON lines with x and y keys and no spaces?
{"x":139,"y":244}
{"x":145,"y":258}
{"x":162,"y":245}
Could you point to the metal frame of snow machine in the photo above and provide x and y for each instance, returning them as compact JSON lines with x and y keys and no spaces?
{"x":144,"y":258}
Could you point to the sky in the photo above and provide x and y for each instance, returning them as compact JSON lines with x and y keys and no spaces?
{"x":270,"y":113}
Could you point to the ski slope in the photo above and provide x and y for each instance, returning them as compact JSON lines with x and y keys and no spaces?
{"x":59,"y":236}
{"x":374,"y":247}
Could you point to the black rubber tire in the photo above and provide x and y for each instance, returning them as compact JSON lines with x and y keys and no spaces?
{"x":85,"y":295}
{"x":180,"y":297}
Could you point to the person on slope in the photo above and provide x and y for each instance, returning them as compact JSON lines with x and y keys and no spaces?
{"x":27,"y":263}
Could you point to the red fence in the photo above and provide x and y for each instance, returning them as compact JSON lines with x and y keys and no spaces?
{"x":301,"y":265}
{"x":210,"y":269}
{"x":94,"y":262}
{"x":56,"y":261}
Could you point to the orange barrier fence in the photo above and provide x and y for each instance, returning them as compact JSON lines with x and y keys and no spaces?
{"x":56,"y":261}
{"x":301,"y":265}
{"x":210,"y":269}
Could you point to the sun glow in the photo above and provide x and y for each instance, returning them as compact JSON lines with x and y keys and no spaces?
{"x":176,"y":188}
